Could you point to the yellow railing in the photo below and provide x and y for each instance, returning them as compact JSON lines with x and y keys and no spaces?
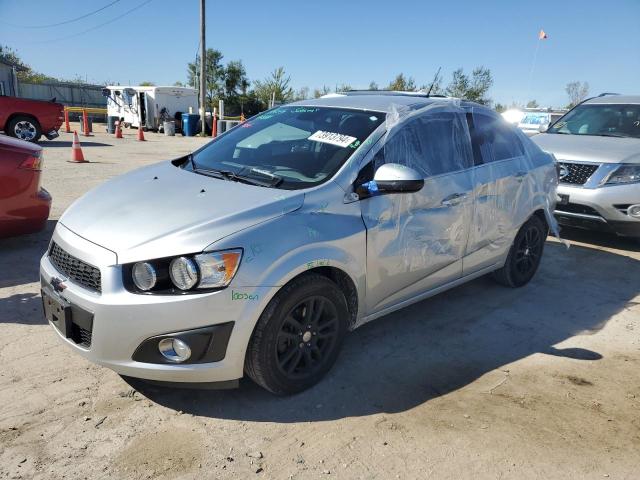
{"x":102,"y":111}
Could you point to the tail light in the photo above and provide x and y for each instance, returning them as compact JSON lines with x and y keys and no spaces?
{"x":33,"y":162}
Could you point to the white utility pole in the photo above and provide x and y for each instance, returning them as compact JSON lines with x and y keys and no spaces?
{"x":203,"y":62}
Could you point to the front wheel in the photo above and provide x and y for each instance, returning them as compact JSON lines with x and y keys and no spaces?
{"x":524,"y":256}
{"x":24,"y":128}
{"x":298,"y":337}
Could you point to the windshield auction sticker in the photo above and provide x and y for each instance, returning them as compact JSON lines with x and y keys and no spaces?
{"x":332,"y":138}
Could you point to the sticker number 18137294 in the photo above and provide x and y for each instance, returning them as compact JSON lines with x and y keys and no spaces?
{"x":333,"y":138}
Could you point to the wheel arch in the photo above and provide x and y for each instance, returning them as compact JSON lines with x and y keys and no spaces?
{"x":20,"y":114}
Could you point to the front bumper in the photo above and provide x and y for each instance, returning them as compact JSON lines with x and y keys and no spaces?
{"x":123,"y":321}
{"x":599,"y":208}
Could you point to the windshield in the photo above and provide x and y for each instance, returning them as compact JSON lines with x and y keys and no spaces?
{"x":288,"y":147}
{"x":535,"y":119}
{"x":607,"y":120}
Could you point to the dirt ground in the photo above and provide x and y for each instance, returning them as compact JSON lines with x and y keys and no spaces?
{"x":479,"y":382}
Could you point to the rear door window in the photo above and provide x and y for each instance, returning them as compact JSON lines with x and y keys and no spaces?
{"x":493,"y":140}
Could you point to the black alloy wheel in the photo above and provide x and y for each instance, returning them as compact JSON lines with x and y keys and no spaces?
{"x":307,"y":336}
{"x":525,"y":254}
{"x":298,"y":337}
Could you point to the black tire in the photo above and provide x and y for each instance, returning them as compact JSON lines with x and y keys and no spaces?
{"x":25,"y":128}
{"x":277,"y":357}
{"x":524,"y":256}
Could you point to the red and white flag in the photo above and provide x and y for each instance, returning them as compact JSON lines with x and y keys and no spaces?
{"x":542,"y":35}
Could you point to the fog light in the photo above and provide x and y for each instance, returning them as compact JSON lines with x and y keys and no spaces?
{"x":174,"y":350}
{"x":634,"y":211}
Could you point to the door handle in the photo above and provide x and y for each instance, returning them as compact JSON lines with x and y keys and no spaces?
{"x":520,"y":176}
{"x":453,"y":199}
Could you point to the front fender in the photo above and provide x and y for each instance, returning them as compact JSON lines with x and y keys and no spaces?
{"x":280,"y":249}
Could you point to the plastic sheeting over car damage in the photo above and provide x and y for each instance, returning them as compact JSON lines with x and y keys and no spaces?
{"x":483,"y":180}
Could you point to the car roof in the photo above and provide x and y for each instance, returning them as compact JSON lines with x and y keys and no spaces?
{"x":614,"y":99}
{"x":378,"y":101}
{"x":6,"y":141}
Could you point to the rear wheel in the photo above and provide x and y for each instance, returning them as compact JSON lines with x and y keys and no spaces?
{"x":298,"y":337}
{"x":524,"y":256}
{"x":24,"y":128}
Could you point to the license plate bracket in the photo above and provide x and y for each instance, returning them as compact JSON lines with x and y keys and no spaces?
{"x":57,"y":311}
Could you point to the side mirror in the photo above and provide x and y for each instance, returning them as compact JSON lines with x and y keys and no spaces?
{"x":106,"y":92}
{"x":392,"y":178}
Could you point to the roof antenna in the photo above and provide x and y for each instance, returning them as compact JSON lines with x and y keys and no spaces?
{"x":434,"y":81}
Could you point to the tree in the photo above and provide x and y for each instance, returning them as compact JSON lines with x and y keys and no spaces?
{"x":472,"y":88}
{"x":402,"y":83}
{"x":373,"y":85}
{"x":276,"y":86}
{"x":319,"y":92}
{"x":214,"y":75}
{"x":343,"y":87}
{"x":532,"y":104}
{"x":577,"y":92}
{"x":147,"y":84}
{"x":178,"y":84}
{"x":302,"y":94}
{"x":498,"y":107}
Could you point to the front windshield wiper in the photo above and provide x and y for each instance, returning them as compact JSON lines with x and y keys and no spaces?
{"x":273,"y":181}
{"x":611,"y":134}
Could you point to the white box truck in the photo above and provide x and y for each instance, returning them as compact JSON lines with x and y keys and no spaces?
{"x":149,"y":106}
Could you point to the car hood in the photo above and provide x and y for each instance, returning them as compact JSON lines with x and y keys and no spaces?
{"x":589,"y":148}
{"x":162,"y":210}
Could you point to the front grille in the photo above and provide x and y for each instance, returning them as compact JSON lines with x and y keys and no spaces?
{"x":577,"y":208}
{"x":80,"y":272}
{"x":576,"y":173}
{"x":80,"y":336}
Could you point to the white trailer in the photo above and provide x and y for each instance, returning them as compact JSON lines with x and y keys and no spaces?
{"x":149,"y":106}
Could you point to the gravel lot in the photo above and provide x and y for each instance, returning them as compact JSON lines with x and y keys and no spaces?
{"x":479,"y":382}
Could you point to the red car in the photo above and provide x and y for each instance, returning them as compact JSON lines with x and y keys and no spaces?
{"x":24,"y":204}
{"x":30,"y":119}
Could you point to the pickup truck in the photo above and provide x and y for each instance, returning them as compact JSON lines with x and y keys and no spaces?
{"x":30,"y":119}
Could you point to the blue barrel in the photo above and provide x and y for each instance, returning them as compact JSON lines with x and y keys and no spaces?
{"x":190,"y":124}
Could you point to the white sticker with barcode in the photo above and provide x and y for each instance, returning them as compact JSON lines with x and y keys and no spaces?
{"x":333,"y":138}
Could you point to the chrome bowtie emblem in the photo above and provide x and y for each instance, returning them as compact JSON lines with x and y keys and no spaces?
{"x":563,"y":172}
{"x":58,"y":285}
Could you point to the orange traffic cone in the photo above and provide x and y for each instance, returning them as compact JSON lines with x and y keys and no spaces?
{"x":140,"y":134}
{"x":76,"y":151}
{"x":118,"y":130}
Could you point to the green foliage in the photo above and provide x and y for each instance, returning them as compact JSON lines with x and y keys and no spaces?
{"x":178,"y":84}
{"x":532,"y":104}
{"x":402,"y":83}
{"x":214,"y":75}
{"x":343,"y":87}
{"x":474,"y":87}
{"x":275,"y":87}
{"x":498,"y":107}
{"x":147,"y":84}
{"x":373,"y":86}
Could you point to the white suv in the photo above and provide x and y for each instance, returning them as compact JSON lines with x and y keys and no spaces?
{"x":597,"y":145}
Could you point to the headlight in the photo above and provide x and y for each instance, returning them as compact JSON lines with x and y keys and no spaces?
{"x":183,"y":273}
{"x":624,"y":174}
{"x":144,"y":276}
{"x":218,"y":268}
{"x":186,"y":273}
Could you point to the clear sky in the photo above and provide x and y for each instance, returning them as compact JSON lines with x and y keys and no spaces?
{"x":332,"y":42}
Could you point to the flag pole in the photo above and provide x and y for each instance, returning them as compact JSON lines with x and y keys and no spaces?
{"x":533,"y":67}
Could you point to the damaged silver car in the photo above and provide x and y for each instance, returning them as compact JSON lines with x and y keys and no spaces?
{"x":258,"y":252}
